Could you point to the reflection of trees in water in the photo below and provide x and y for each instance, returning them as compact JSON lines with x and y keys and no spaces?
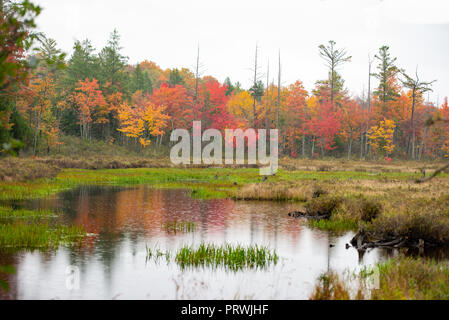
{"x":139,"y":212}
{"x":9,"y":259}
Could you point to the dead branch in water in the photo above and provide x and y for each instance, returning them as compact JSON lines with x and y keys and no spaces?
{"x":437,"y":172}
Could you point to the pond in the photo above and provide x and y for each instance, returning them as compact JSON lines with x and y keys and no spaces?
{"x":124,"y":222}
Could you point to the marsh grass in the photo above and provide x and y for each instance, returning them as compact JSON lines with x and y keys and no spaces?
{"x":227,"y":256}
{"x":10,"y":213}
{"x":179,"y":226}
{"x":377,"y":194}
{"x":39,"y":236}
{"x":426,"y":224}
{"x":400,"y":278}
{"x":237,"y":183}
{"x":335,"y":225}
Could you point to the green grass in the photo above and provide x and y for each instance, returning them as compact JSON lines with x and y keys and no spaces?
{"x":203,"y":182}
{"x":39,"y":236}
{"x":21,"y":229}
{"x":336,"y":225}
{"x":179,"y":226}
{"x":10,"y":213}
{"x":228,"y":256}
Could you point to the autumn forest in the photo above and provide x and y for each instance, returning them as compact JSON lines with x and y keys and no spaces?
{"x":96,"y":95}
{"x":94,"y":205}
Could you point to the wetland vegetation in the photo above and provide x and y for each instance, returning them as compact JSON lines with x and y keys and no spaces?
{"x":383,"y":201}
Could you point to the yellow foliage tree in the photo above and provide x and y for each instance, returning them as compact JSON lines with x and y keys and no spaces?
{"x":381,"y":137}
{"x":142,"y":122}
{"x":241,"y":105}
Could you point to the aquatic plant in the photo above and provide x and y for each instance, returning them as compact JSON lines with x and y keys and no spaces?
{"x":231,"y":257}
{"x":337,"y":225}
{"x":9,"y":212}
{"x":41,"y":235}
{"x":228,"y":256}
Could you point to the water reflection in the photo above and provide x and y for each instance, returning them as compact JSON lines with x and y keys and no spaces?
{"x":112,"y":263}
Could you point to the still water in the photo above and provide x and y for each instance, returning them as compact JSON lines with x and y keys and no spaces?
{"x":124,"y":221}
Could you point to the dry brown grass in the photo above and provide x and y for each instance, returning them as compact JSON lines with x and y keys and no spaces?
{"x":14,"y":169}
{"x":400,"y":278}
{"x":330,"y":287}
{"x":358,"y":166}
{"x":275,"y":191}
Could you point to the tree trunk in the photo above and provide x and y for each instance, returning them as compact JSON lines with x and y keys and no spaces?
{"x":412,"y":124}
{"x":313,"y":146}
{"x":36,"y":131}
{"x":303,"y":144}
{"x":349,"y":148}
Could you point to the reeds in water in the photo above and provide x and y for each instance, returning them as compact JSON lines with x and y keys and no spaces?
{"x":10,"y":213}
{"x":232,"y":257}
{"x":42,"y":235}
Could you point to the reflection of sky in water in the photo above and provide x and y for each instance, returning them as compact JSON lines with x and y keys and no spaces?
{"x":113,"y":265}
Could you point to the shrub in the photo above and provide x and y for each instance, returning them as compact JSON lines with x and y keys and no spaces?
{"x":369,"y":210}
{"x":319,"y":191}
{"x":324,"y":168}
{"x":322,"y":206}
{"x":430,"y":226}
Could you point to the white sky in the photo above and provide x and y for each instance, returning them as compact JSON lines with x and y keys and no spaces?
{"x":168,"y":32}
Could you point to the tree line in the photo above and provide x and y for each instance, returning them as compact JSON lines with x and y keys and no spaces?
{"x":98,"y":95}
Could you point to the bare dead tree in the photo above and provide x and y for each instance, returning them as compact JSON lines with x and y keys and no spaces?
{"x":198,"y":72}
{"x":257,"y":89}
{"x":255,"y":85}
{"x":430,"y":122}
{"x":417,"y":87}
{"x":334,"y":58}
{"x":370,"y":62}
{"x":279,"y":92}
{"x":266,"y":102}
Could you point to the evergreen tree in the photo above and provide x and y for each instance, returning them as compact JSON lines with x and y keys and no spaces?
{"x":230,"y":88}
{"x":82,"y":64}
{"x":387,"y":70}
{"x":257,"y":90}
{"x":175,"y":78}
{"x":112,"y":64}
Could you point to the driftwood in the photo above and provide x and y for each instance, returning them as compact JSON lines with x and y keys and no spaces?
{"x":301,"y":214}
{"x":437,"y":172}
{"x":361,"y":242}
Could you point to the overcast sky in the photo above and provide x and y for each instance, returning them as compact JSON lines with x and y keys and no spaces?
{"x":168,"y":32}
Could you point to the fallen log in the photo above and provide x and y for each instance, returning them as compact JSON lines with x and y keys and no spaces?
{"x":301,"y":214}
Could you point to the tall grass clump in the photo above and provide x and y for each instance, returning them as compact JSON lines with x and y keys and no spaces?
{"x":323,"y":206}
{"x":330,"y":287}
{"x":413,"y":279}
{"x":10,"y":213}
{"x":228,"y":256}
{"x":39,"y":236}
{"x":336,"y":225}
{"x":400,"y":278}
